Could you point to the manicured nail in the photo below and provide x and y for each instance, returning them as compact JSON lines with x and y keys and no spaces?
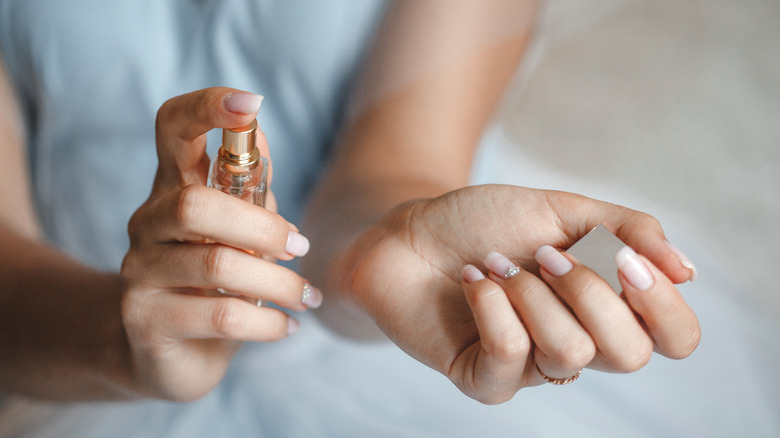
{"x":632,"y":267}
{"x":501,"y":265}
{"x":297,"y":244}
{"x":471,"y":274}
{"x":553,"y":261}
{"x":292,"y":326}
{"x":685,"y":261}
{"x":312,"y":297}
{"x":243,"y":103}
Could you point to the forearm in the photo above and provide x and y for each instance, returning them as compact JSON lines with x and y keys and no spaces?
{"x":431,"y":83}
{"x":62,"y":336}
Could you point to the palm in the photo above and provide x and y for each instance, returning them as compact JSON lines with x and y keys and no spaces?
{"x":409,"y":278}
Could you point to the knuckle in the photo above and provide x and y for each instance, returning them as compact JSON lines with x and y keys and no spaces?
{"x":134,"y":226}
{"x":191,"y":207}
{"x":163,"y":114}
{"x":510,"y":346}
{"x":634,"y":357}
{"x":134,"y":269}
{"x":650,"y":221}
{"x":133,"y":309}
{"x":530,"y":286}
{"x":203,"y":99}
{"x":227,"y":317}
{"x":587,"y":285}
{"x":574,"y":355}
{"x":481,"y":391}
{"x":216,"y":263}
{"x":166,"y":114}
{"x":268,"y":229}
{"x":484,"y":291}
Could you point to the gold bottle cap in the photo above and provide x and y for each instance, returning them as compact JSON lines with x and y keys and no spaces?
{"x":240,"y":141}
{"x":238,"y":145}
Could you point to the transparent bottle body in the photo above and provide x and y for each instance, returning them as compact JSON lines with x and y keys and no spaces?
{"x":245,"y":182}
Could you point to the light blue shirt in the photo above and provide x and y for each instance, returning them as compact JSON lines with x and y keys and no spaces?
{"x":92,"y":74}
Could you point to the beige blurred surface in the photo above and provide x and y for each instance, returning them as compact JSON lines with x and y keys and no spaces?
{"x":676,"y":102}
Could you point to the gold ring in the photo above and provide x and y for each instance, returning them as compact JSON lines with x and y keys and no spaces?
{"x":565,"y":381}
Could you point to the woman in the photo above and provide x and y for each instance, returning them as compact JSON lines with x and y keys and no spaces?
{"x":391,"y":226}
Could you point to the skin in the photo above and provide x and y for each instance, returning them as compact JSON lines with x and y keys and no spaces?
{"x":391,"y":225}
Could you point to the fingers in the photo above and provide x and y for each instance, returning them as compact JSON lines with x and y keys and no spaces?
{"x":577,"y":215}
{"x":183,"y":121}
{"x":644,"y":233}
{"x":183,"y":316}
{"x":622,"y":343}
{"x":492,"y":370}
{"x":575,"y":319}
{"x":212,"y":266}
{"x":672,"y":324}
{"x":562,"y":346}
{"x":195,"y":213}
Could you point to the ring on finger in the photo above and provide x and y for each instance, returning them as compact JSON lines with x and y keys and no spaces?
{"x":555,"y":381}
{"x":256,"y":301}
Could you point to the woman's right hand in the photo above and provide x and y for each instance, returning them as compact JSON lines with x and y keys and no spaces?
{"x":186,"y":241}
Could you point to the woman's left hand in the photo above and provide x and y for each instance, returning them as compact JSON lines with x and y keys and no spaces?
{"x":493,"y":336}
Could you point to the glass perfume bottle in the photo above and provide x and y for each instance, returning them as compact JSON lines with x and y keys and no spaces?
{"x":238,"y":169}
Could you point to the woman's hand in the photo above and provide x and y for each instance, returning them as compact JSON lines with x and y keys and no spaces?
{"x":187,"y":240}
{"x":406,"y":272}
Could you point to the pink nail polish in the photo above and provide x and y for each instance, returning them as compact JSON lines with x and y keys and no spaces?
{"x":632,"y":267}
{"x":297,"y":244}
{"x":471,"y":274}
{"x":553,"y":261}
{"x":292,"y":326}
{"x":312,"y":297}
{"x":684,"y":261}
{"x":243,"y":103}
{"x":500,"y":265}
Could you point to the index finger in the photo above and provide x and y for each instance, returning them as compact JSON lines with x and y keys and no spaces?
{"x":577,"y":215}
{"x":182,"y":123}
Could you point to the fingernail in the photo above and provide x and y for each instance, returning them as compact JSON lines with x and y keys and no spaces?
{"x":629,"y":263}
{"x":297,"y":244}
{"x":501,"y":265}
{"x":553,"y":261}
{"x":685,"y":261}
{"x":292,"y":326}
{"x":471,"y":274}
{"x":312,"y":297}
{"x":243,"y":103}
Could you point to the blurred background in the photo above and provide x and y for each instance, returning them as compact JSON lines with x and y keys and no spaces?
{"x":678,"y":102}
{"x":673,"y":108}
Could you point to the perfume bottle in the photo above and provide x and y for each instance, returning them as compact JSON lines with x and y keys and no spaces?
{"x":238,"y":169}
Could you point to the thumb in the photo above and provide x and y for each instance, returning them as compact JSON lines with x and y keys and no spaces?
{"x":643,"y":232}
